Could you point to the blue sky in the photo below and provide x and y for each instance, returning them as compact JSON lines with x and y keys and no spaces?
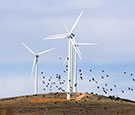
{"x":109,"y":23}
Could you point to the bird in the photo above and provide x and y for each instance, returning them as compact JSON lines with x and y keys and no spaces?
{"x":80,"y":70}
{"x":102,"y":70}
{"x":110,"y":89}
{"x":93,"y":79}
{"x":75,"y":85}
{"x":49,"y":79}
{"x":43,"y":82}
{"x":90,"y":70}
{"x":81,"y":78}
{"x":107,"y":75}
{"x":122,"y":91}
{"x":63,"y":90}
{"x":133,"y":79}
{"x":64,"y":71}
{"x":124,"y":72}
{"x":131,"y":74}
{"x":60,"y":58}
{"x":102,"y":77}
{"x":41,"y":72}
{"x":43,"y":77}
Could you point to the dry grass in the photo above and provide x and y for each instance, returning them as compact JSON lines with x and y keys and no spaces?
{"x":57,"y":104}
{"x":47,"y":100}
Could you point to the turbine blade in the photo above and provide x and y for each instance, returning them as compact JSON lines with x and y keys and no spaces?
{"x":55,"y":37}
{"x":87,"y":44}
{"x":75,"y":48}
{"x":28,"y":48}
{"x":34,"y":63}
{"x":46,"y":51}
{"x":76,"y":23}
{"x":76,"y":45}
{"x":65,"y":61}
{"x":66,"y":29}
{"x":78,"y":50}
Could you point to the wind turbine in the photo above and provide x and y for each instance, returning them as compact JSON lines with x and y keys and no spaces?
{"x":75,"y":64}
{"x":35,"y":64}
{"x":75,"y":59}
{"x":70,"y":36}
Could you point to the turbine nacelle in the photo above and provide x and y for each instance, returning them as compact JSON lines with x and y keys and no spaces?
{"x":72,"y":35}
{"x":37,"y":56}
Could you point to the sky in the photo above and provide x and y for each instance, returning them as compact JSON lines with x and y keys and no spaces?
{"x":110,"y":23}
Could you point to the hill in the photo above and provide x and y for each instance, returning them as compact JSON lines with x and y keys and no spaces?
{"x":56,"y":104}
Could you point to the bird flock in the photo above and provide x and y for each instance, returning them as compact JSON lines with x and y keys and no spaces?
{"x":102,"y":83}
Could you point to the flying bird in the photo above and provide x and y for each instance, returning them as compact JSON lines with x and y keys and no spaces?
{"x":107,"y":75}
{"x":80,"y":70}
{"x":114,"y":85}
{"x":81,"y":77}
{"x":102,"y":70}
{"x":102,"y":77}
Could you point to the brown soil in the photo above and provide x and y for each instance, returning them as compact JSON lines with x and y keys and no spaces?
{"x":57,"y":104}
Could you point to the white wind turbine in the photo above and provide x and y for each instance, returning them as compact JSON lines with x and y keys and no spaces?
{"x":35,"y":64}
{"x":75,"y":59}
{"x":75,"y":64}
{"x":70,"y":36}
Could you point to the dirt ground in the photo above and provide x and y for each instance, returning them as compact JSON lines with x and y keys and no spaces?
{"x":56,"y":104}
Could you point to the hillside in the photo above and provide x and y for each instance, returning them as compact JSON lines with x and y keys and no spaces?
{"x":56,"y":104}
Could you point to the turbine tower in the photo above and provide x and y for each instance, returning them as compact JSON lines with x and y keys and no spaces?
{"x":70,"y":37}
{"x":35,"y":64}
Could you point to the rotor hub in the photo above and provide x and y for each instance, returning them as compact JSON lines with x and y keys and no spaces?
{"x":73,"y":35}
{"x":37,"y":56}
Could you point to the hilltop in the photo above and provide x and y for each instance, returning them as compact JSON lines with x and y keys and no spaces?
{"x":56,"y":104}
